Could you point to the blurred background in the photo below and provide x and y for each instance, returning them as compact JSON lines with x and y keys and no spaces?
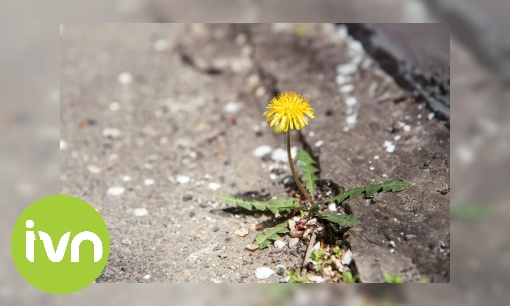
{"x":480,"y":133}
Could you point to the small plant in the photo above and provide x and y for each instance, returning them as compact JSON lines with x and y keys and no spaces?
{"x":392,"y":279}
{"x":287,"y":111}
{"x":295,"y":276}
{"x":348,"y":278}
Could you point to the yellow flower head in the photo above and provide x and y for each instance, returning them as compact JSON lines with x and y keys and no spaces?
{"x":289,"y":109}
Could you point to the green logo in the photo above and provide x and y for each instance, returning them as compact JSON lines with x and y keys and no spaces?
{"x":60,"y":244}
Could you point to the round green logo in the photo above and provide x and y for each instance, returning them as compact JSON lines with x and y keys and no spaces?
{"x":60,"y":244}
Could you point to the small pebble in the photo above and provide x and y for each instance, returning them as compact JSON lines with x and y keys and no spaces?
{"x":251,"y":247}
{"x":390,"y":147}
{"x":161,"y":45}
{"x":351,"y":101}
{"x":114,"y":106}
{"x":371,"y":168}
{"x":280,"y":270}
{"x":140,"y":212}
{"x":348,"y":68}
{"x":273,"y":176}
{"x":376,"y":157}
{"x":346,"y":257}
{"x":293,"y":242}
{"x":187,"y":198}
{"x":63,"y":144}
{"x":215,"y":229}
{"x":126,"y":178}
{"x":94,"y":169}
{"x":148,"y":182}
{"x":254,"y":226}
{"x":392,"y":251}
{"x":385,"y":175}
{"x":409,"y":237}
{"x":279,"y":244}
{"x":319,"y":143}
{"x":397,"y":138}
{"x":311,"y":222}
{"x":347,"y":88}
{"x":232,"y":107}
{"x":392,"y":243}
{"x":407,"y":128}
{"x":288,"y":180}
{"x":115,"y":191}
{"x":183,"y":179}
{"x":241,"y":232}
{"x":431,"y":116}
{"x":112,"y":133}
{"x":147,"y":276}
{"x":261,"y":151}
{"x":263,"y":272}
{"x":279,"y":154}
{"x":332,"y":207}
{"x":124,"y":78}
{"x":214,"y":186}
{"x":316,"y":279}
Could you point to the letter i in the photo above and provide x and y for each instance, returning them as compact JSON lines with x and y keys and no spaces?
{"x":30,"y":238}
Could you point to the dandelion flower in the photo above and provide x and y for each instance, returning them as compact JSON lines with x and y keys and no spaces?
{"x":289,"y":109}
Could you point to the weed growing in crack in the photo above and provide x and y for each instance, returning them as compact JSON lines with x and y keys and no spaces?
{"x":308,"y":218}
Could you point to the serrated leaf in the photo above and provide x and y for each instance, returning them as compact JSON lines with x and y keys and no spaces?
{"x":305,"y":163}
{"x":372,"y":189}
{"x":246,"y":204}
{"x":342,"y":220}
{"x":394,"y":185}
{"x":340,"y":197}
{"x":271,"y":234}
{"x":355,"y":192}
{"x":276,"y":205}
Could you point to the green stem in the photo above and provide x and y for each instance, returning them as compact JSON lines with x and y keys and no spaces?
{"x":296,"y":179}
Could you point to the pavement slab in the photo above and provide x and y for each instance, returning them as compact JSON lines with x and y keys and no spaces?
{"x":159,"y":119}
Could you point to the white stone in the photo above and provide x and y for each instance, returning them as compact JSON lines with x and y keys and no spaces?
{"x":263,"y":272}
{"x":349,"y":68}
{"x":392,"y":243}
{"x":94,"y":169}
{"x":147,"y":276}
{"x":140,"y":212}
{"x":407,"y":128}
{"x":293,"y":242}
{"x":385,"y":175}
{"x":316,"y":279}
{"x":376,"y":157}
{"x":126,"y":178}
{"x":161,"y":45}
{"x":319,"y":143}
{"x":279,"y":154}
{"x":431,"y":116}
{"x":279,"y":244}
{"x":148,"y":182}
{"x":343,"y":79}
{"x":351,"y":120}
{"x":346,"y":257}
{"x":371,"y":168}
{"x":63,"y":144}
{"x":273,"y":176}
{"x":347,"y":88}
{"x":124,"y":78}
{"x":112,"y":133}
{"x":311,"y":134}
{"x":332,"y":207}
{"x":214,"y":186}
{"x":115,"y":191}
{"x":182,"y":179}
{"x":390,"y":147}
{"x":351,"y":101}
{"x":114,"y":106}
{"x":232,"y":107}
{"x":397,"y":138}
{"x":261,"y":151}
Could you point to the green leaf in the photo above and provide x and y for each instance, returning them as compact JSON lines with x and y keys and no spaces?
{"x":394,"y":185}
{"x":392,"y":279}
{"x":342,"y":220}
{"x":369,"y":190}
{"x":355,"y":192}
{"x":340,"y":197}
{"x":372,"y":189}
{"x":271,"y":234}
{"x":276,"y":205}
{"x":306,"y":162}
